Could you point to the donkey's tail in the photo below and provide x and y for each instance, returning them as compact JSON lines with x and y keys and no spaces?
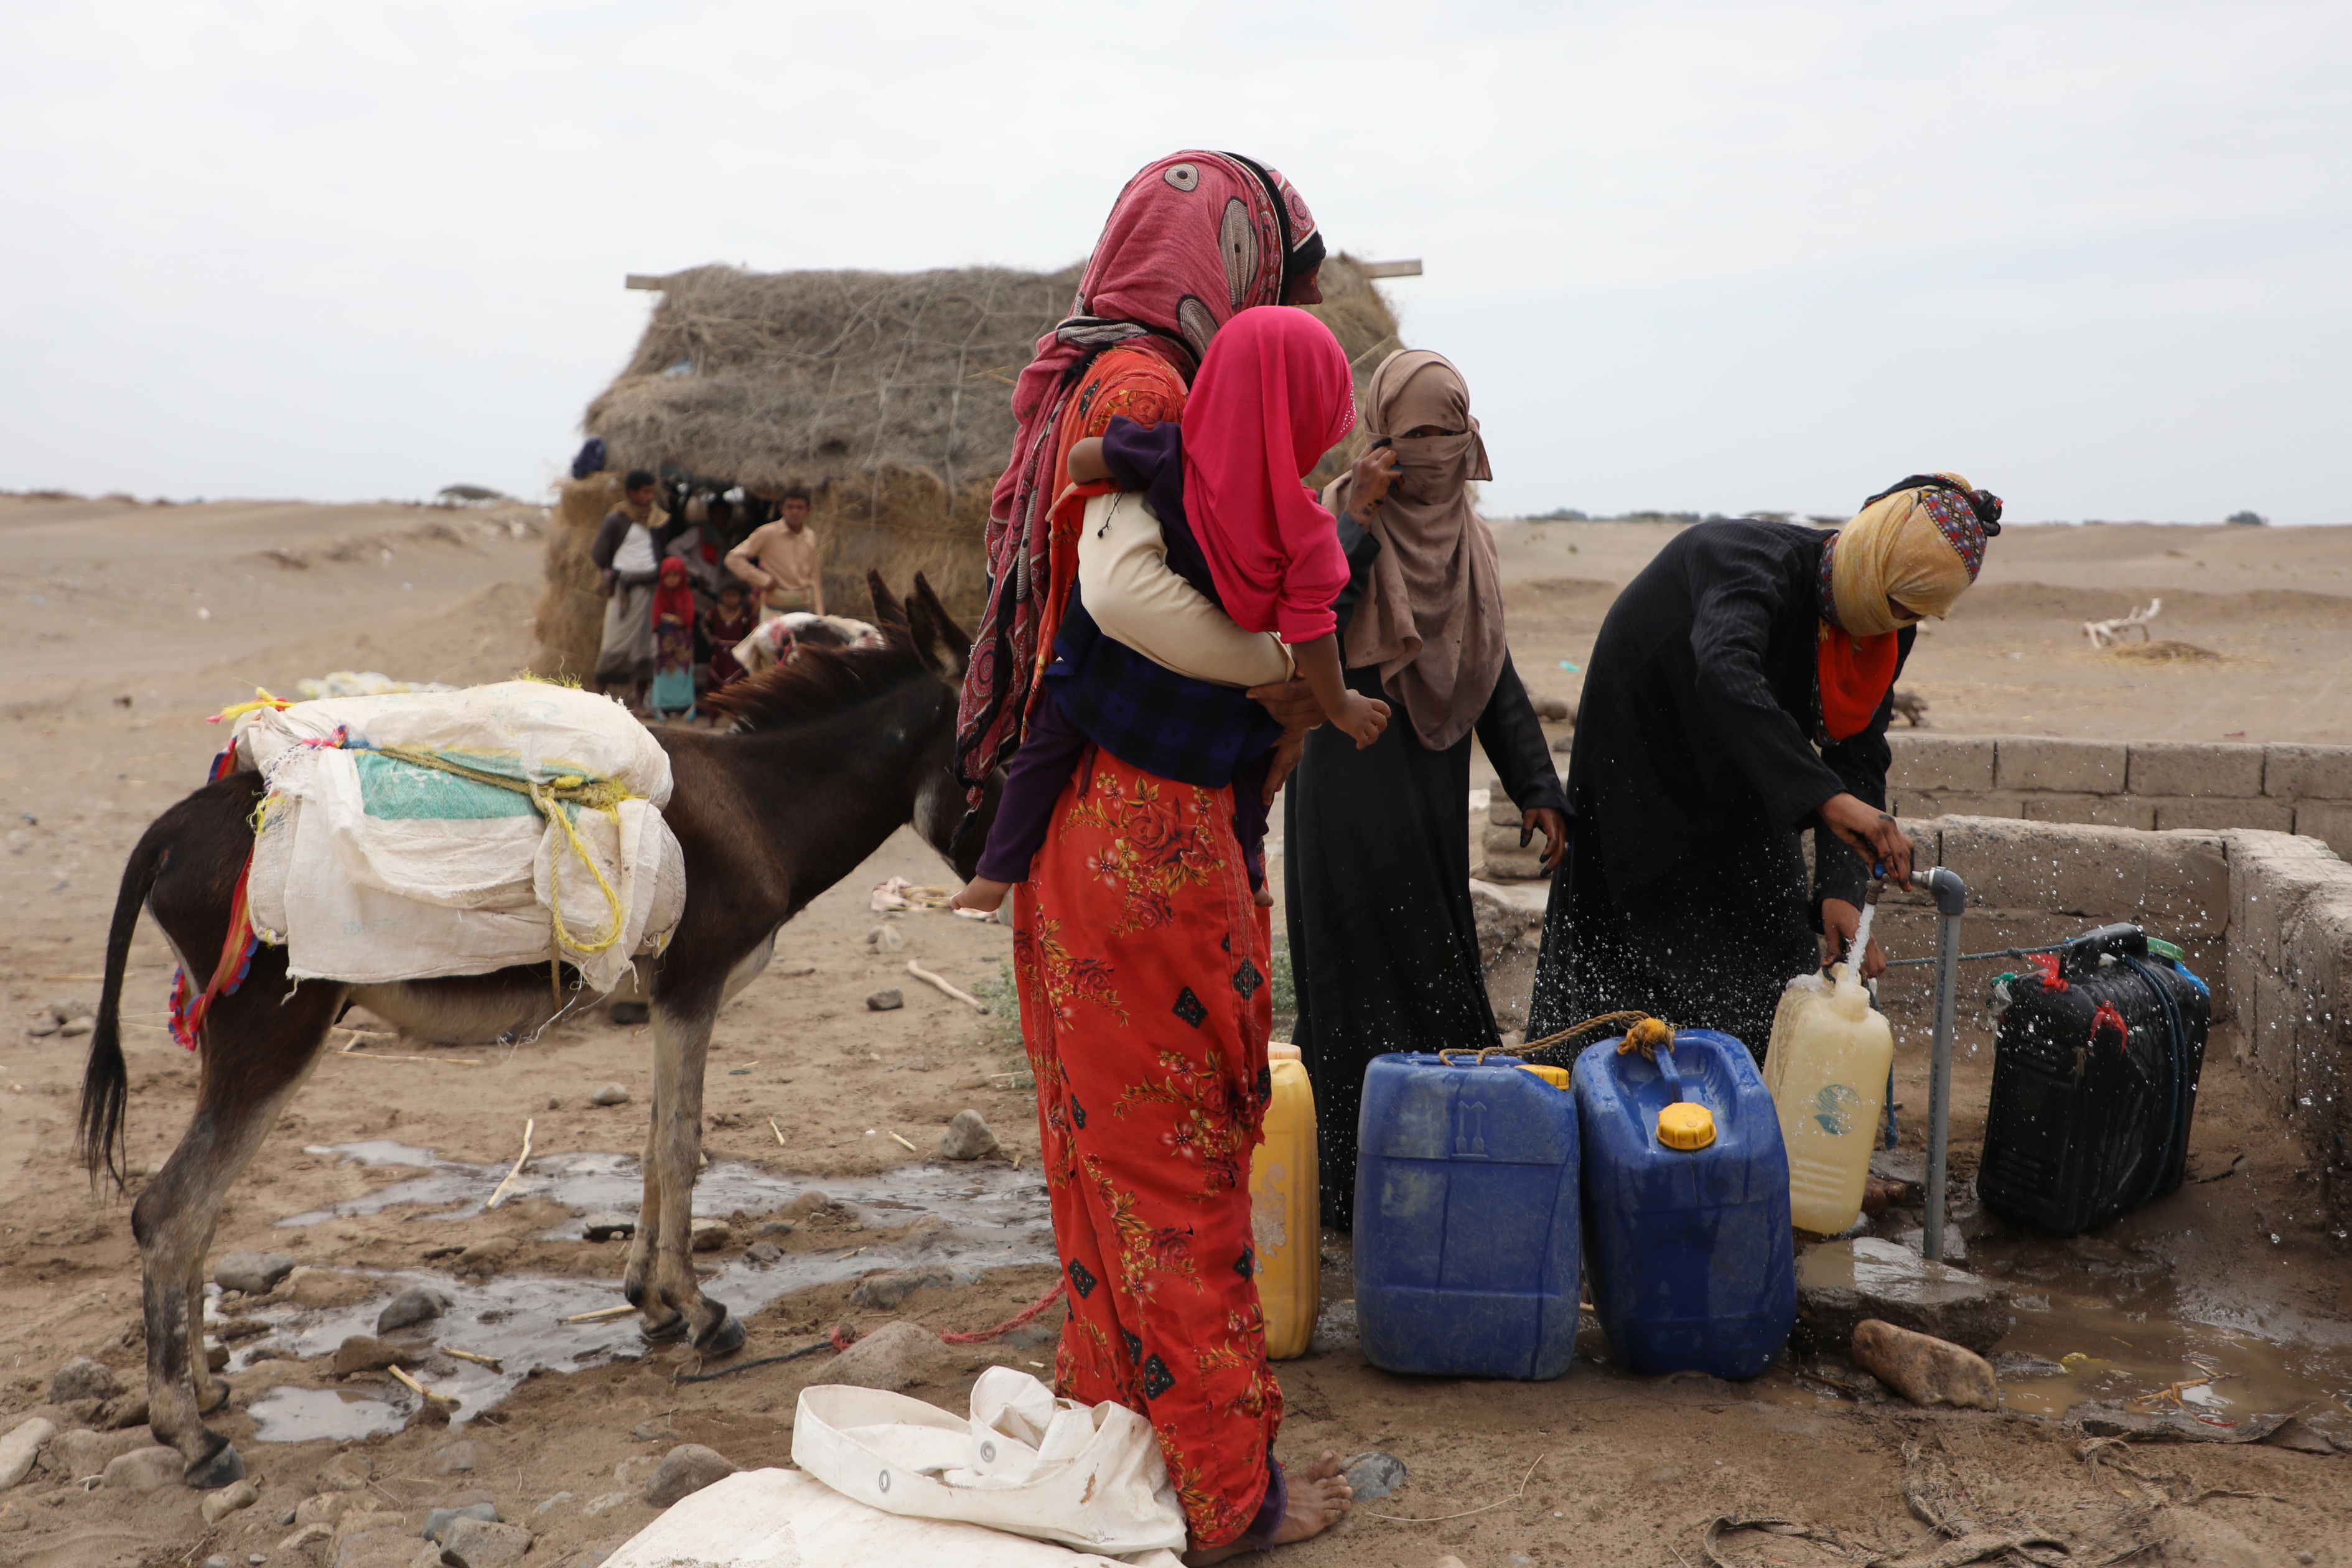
{"x":106,"y":1082}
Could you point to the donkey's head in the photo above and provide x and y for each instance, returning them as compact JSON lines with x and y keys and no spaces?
{"x":914,"y":678}
{"x":941,"y":810}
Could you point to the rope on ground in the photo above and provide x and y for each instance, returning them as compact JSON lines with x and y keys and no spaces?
{"x":1466,"y":1514}
{"x":1021,"y":1320}
{"x":841,"y":1339}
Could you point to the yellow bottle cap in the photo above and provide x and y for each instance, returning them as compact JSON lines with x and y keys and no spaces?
{"x":1682,"y":1125}
{"x":1556,"y":1077}
{"x":1282,"y":1051}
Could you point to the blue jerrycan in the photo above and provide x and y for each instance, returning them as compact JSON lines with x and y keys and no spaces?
{"x":1686,"y":1206}
{"x":1467,"y":1244}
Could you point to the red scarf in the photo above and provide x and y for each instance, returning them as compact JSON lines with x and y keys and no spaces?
{"x":674,"y":597}
{"x":1855,"y":673}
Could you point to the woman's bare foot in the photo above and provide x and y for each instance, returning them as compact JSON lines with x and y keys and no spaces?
{"x":1318,"y":1500}
{"x":980,"y":894}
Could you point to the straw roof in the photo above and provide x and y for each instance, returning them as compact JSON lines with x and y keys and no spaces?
{"x":768,"y":379}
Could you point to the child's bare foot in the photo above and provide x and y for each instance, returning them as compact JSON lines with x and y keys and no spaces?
{"x":980,"y":894}
{"x":1362,"y":719}
{"x":1318,"y":1500}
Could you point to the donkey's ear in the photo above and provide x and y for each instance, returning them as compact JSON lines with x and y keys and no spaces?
{"x":888,"y":613}
{"x":952,"y":647}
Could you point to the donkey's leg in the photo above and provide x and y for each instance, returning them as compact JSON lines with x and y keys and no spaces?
{"x":661,"y":1321}
{"x":257,"y":1053}
{"x":681,"y":1046}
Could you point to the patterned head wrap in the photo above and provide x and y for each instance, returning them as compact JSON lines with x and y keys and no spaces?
{"x":1193,"y":239}
{"x":1921,"y":542}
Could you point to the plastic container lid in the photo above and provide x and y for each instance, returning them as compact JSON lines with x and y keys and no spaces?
{"x":1282,"y":1051}
{"x":1556,"y":1077}
{"x":1682,"y":1125}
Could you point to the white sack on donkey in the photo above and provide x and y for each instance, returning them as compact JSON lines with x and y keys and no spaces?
{"x":416,"y":835}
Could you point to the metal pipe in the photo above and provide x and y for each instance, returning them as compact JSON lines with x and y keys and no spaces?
{"x":1951,"y":903}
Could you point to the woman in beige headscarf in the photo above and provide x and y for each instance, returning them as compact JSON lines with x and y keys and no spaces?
{"x":1739,"y":693}
{"x":1383,"y":939}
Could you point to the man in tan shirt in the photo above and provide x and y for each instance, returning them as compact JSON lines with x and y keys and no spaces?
{"x":781,"y":560}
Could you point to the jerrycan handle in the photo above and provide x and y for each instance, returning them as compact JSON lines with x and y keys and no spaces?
{"x":1664,"y":1057}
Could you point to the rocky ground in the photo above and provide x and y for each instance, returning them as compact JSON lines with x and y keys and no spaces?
{"x":835,"y":1205}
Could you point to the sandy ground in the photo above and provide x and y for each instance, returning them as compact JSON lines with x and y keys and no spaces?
{"x":385,"y":1160}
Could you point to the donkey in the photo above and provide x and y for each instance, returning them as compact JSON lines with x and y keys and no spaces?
{"x":826,"y":758}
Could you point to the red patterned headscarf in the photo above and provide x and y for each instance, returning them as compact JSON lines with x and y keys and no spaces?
{"x":1193,"y":239}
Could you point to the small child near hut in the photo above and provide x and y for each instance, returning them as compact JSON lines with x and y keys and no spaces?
{"x":674,"y":616}
{"x":724,"y":624}
{"x":1272,"y":394}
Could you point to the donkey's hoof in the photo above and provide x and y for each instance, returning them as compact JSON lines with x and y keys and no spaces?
{"x":664,"y":1333}
{"x":212,"y":1394}
{"x":624,"y":1015}
{"x":224,"y":1466}
{"x":724,"y":1337}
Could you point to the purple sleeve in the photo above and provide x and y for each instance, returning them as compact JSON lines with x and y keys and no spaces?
{"x":1033,"y":782}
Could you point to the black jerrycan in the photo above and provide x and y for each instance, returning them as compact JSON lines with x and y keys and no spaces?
{"x":2096,"y":1063}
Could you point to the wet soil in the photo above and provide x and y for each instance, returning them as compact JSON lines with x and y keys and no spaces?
{"x":386,"y":1158}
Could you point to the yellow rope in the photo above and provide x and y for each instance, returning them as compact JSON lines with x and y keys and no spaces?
{"x":549,"y":798}
{"x":1633,"y":1019}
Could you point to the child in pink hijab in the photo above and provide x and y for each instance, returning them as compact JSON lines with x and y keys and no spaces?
{"x":1274,"y":393}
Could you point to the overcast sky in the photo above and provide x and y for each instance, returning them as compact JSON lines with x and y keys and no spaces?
{"x":1713,"y":256}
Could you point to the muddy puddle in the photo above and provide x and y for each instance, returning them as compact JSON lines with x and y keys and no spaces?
{"x":978,"y":1218}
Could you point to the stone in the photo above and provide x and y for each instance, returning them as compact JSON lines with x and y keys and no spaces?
{"x":82,"y":1378}
{"x":1840,"y":1283}
{"x":764,"y":1252}
{"x":480,"y":1543}
{"x":611,"y":1094}
{"x":885,"y":938}
{"x":1923,"y":1369}
{"x":2011,"y":1365}
{"x":882,"y":1292}
{"x":2196,"y":768}
{"x":708,"y":1236}
{"x":454,"y":1458}
{"x":215,"y":1563}
{"x":894,"y":1356}
{"x":1939,"y":763}
{"x":806,"y":1206}
{"x":73,"y":1028}
{"x":635,"y":1471}
{"x":2098,"y":810}
{"x":1373,"y":1474}
{"x":2046,"y":763}
{"x":365,"y":1353}
{"x":21,"y":1446}
{"x":372,"y":1538}
{"x":308,"y":1535}
{"x":410,"y":1307}
{"x":600,"y":1505}
{"x":1955,"y":1248}
{"x":347,"y":1473}
{"x":546,"y":1511}
{"x":886,"y":1000}
{"x":484,"y":1257}
{"x":326,"y":1508}
{"x":144,"y":1470}
{"x":609,"y":1227}
{"x":252,"y":1273}
{"x":219,"y":1505}
{"x":2175,"y":813}
{"x":685,"y":1470}
{"x":14,"y":1520}
{"x":82,"y":1453}
{"x":437,"y":1522}
{"x":323,"y":1288}
{"x":968,"y":1137}
{"x":2329,"y":821}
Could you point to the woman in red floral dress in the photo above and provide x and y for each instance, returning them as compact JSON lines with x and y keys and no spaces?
{"x":1141,"y":957}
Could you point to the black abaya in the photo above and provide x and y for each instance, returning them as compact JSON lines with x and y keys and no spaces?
{"x":1376,"y":868}
{"x":1695,"y":771}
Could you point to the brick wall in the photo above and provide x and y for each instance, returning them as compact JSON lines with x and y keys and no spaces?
{"x":2147,"y":784}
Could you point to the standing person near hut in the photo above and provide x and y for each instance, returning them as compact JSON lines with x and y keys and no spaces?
{"x":1141,"y":956}
{"x":1383,"y":939}
{"x":624,"y":550}
{"x":782,"y":560}
{"x":672,"y":692}
{"x":1739,"y":692}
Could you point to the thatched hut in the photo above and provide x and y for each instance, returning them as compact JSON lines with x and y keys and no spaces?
{"x":887,"y":394}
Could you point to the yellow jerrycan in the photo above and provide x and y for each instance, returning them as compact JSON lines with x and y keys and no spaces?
{"x":1826,"y":1068}
{"x":1287,"y":1210}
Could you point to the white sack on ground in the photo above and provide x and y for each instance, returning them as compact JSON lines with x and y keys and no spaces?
{"x":370,"y":870}
{"x":784,"y":1519}
{"x":1088,"y":1477}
